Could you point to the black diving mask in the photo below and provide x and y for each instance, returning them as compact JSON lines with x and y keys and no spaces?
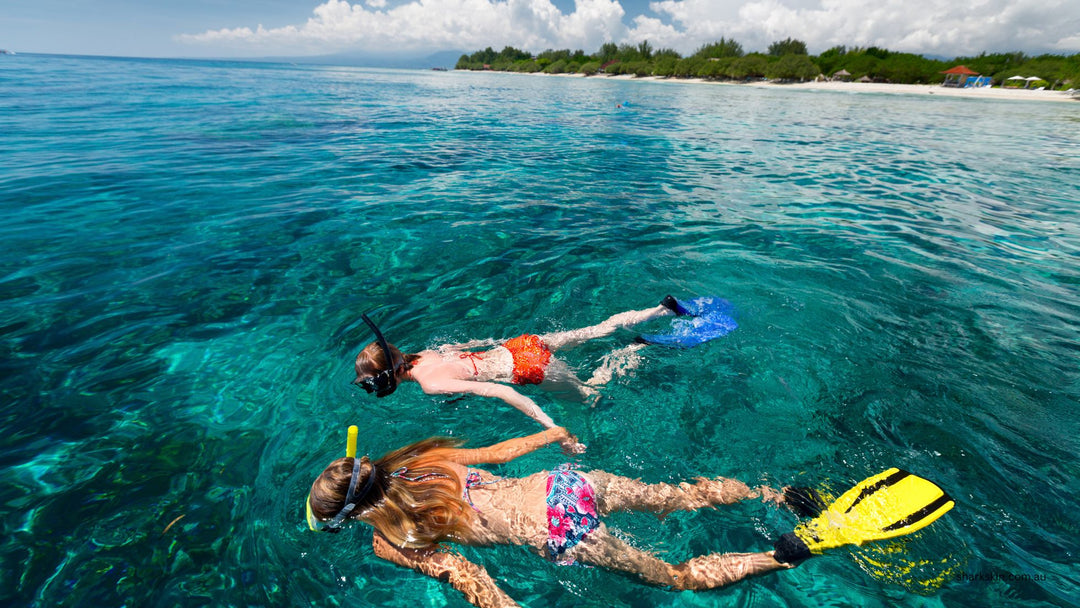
{"x":385,"y":382}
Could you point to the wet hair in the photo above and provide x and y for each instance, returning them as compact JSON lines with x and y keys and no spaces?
{"x":418,"y":509}
{"x":372,"y":360}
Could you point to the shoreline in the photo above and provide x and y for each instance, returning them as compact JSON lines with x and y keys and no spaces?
{"x":856,"y":87}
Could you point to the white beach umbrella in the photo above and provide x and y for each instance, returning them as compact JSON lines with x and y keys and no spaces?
{"x":1016,"y":78}
{"x":1032,"y":78}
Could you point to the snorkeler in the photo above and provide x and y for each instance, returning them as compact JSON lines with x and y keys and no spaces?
{"x":526,"y":359}
{"x":426,"y":493}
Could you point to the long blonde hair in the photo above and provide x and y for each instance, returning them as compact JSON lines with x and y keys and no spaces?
{"x":415,"y":500}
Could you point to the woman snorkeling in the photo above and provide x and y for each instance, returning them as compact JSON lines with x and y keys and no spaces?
{"x":429,"y":492}
{"x":526,"y":359}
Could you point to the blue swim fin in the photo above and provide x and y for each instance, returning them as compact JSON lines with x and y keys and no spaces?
{"x":700,"y":320}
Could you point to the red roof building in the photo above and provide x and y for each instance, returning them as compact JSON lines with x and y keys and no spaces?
{"x":955,"y":77}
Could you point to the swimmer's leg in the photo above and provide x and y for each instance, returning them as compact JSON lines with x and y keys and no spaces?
{"x":573,"y":337}
{"x":561,"y":380}
{"x":618,"y":362}
{"x":615,"y":493}
{"x":601,"y":548}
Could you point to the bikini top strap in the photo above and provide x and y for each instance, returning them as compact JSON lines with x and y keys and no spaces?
{"x":472,"y":480}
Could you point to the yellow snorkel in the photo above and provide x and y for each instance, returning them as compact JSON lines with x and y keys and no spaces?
{"x":350,"y":442}
{"x":350,"y":452}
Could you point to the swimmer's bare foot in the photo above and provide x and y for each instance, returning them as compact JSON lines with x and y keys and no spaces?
{"x":589,"y":394}
{"x":770,"y":495}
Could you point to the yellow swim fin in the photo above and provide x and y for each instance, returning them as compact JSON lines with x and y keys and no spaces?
{"x":890,"y":504}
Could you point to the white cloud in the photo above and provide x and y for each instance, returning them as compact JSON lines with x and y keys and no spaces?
{"x":428,"y":25}
{"x":918,"y":26}
{"x":922,"y":26}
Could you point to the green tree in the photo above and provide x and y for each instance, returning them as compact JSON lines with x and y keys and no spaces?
{"x":556,"y":67}
{"x":908,"y":68}
{"x":831,"y":61}
{"x":510,"y":54}
{"x":750,"y":66}
{"x":719,"y":49}
{"x":715,"y":68}
{"x":861,"y":64}
{"x":667,"y":53}
{"x":555,"y":55}
{"x":628,"y":52}
{"x":487,"y":55}
{"x":607,"y":52}
{"x":664,"y":65}
{"x":644,"y":50}
{"x":994,"y":64}
{"x":792,"y":67}
{"x":589,"y":68}
{"x":874,"y":51}
{"x":688,"y":67}
{"x":789,"y":46}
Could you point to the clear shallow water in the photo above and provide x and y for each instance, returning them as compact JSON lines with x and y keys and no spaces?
{"x":188,"y":247}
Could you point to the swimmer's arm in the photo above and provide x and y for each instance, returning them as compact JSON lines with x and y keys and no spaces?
{"x":490,"y":389}
{"x":472,"y":580}
{"x":506,"y":451}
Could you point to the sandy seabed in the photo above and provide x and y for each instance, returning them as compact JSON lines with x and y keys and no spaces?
{"x":874,"y":87}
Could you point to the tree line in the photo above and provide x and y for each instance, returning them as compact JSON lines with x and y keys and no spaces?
{"x":785,"y":60}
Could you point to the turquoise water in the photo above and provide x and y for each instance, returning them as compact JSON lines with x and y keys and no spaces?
{"x":188,"y":247}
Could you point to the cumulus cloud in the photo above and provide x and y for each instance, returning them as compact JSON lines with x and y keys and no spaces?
{"x":920,"y":26}
{"x":429,"y":25}
{"x":917,"y":26}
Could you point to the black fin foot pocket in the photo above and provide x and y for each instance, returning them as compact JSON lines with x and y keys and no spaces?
{"x":669,"y":302}
{"x":790,"y":549}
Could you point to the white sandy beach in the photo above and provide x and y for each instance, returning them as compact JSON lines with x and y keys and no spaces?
{"x":873,"y":87}
{"x":930,"y":89}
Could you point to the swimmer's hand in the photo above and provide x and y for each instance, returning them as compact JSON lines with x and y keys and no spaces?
{"x":571,"y":446}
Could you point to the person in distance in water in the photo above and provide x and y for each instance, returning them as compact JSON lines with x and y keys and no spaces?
{"x":526,"y":359}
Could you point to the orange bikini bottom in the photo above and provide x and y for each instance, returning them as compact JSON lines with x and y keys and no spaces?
{"x":531,"y":356}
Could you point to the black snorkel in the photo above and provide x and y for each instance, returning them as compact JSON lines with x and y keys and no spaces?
{"x":385,"y":382}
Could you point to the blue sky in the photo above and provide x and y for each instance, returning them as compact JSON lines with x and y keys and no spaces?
{"x":259,"y":28}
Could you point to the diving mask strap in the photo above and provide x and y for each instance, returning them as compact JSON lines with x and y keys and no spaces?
{"x":394,"y":365}
{"x":352,"y":498}
{"x":350,"y":504}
